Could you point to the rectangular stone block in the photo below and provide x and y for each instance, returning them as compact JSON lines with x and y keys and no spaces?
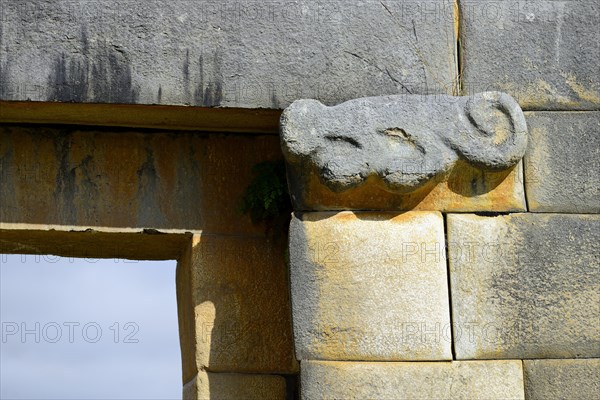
{"x":490,"y":380}
{"x":226,"y":53}
{"x":214,"y":386}
{"x":369,"y":286}
{"x":240,"y":297}
{"x":542,"y":52}
{"x":562,"y":165}
{"x":562,"y":379}
{"x":525,"y":285}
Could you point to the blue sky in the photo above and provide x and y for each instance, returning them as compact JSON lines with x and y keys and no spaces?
{"x":107,"y":329}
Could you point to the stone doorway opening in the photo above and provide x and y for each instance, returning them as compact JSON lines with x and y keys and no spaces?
{"x":88,"y":328}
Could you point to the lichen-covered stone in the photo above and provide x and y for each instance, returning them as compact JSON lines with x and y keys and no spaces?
{"x":543,"y":52}
{"x":231,"y":53}
{"x":562,"y":163}
{"x":562,"y":379}
{"x":490,"y":380}
{"x":216,"y":386}
{"x":405,"y":146}
{"x":525,"y":285}
{"x":369,"y":286}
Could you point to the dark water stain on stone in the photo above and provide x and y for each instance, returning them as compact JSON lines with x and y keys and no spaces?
{"x":274,"y":100}
{"x":84,"y":41}
{"x":186,"y":67}
{"x":199,"y":92}
{"x":211,"y":94}
{"x":64,"y":193}
{"x":102,"y":75}
{"x":186,"y":76}
{"x":78,"y":73}
{"x":87,"y":190}
{"x":69,"y":80}
{"x":159,"y":95}
{"x":5,"y":90}
{"x":119,"y":79}
{"x":149,"y":214}
{"x":8,"y":200}
{"x":189,"y":183}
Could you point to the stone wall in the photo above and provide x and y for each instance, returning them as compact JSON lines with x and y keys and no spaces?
{"x":482,"y":285}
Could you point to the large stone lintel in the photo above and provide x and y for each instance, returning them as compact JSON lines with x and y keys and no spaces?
{"x":126,"y":179}
{"x":224,"y":53}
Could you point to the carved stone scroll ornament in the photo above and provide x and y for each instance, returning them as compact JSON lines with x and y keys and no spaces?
{"x":400,"y":143}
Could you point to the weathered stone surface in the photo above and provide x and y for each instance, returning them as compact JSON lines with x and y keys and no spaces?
{"x":525,"y":285}
{"x":562,"y":379}
{"x":416,"y":380}
{"x":129,"y":179}
{"x":214,"y":386}
{"x":224,"y":53}
{"x":369,"y":286}
{"x":406,"y":146}
{"x":562,"y":162}
{"x":240,"y":297}
{"x":544,"y":53}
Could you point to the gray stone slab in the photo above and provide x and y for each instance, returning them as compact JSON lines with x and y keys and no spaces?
{"x":230,"y":53}
{"x":369,"y":286}
{"x":562,"y":379}
{"x":562,"y":164}
{"x":543,"y":52}
{"x":490,"y":380}
{"x":525,"y":285}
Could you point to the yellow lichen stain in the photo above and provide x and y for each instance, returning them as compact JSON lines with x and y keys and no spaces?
{"x":581,"y":91}
{"x":465,"y":188}
{"x":541,"y":94}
